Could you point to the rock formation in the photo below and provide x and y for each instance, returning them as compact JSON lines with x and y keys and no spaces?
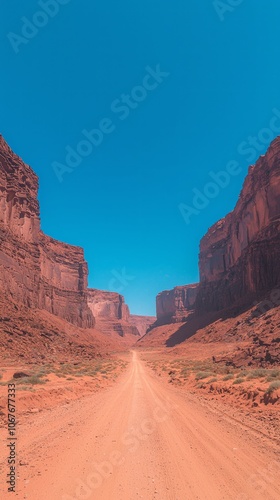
{"x":240,"y":255}
{"x":111,"y":312}
{"x":36,"y":270}
{"x":46,"y":309}
{"x":175,"y":305}
{"x":107,"y":304}
{"x":142,"y":323}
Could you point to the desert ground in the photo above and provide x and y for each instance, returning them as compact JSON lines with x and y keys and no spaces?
{"x":147,"y":424}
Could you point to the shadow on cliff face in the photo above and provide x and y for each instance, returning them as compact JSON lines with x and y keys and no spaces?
{"x":196,"y":322}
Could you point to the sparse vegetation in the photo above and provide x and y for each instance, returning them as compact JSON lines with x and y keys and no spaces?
{"x":69,"y":371}
{"x":213,"y":379}
{"x":239,"y":380}
{"x":258,"y":373}
{"x":229,"y":376}
{"x":202,"y":375}
{"x":33,"y":380}
{"x":25,"y":388}
{"x":273,"y":387}
{"x":206,"y":372}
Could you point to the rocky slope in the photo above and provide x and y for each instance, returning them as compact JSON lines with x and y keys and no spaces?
{"x":240,"y":255}
{"x":251,"y":338}
{"x":36,"y":270}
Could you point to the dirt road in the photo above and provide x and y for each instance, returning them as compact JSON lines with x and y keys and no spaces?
{"x":142,"y":439}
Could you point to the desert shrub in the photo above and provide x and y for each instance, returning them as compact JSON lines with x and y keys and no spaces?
{"x":213,"y":379}
{"x":185,"y":372}
{"x":202,"y":375}
{"x":239,"y":380}
{"x":33,"y":380}
{"x":200,"y":386}
{"x":273,"y":386}
{"x":242,"y":374}
{"x":229,"y":376}
{"x":258,"y":373}
{"x":272,"y":375}
{"x":221,"y":369}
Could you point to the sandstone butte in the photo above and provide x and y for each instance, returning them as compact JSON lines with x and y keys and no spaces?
{"x":44,"y":274}
{"x":239,"y":258}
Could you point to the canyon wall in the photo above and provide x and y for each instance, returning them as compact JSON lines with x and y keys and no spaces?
{"x":35,"y":269}
{"x":240,"y":255}
{"x":107,"y":304}
{"x":175,"y":305}
{"x":142,"y":323}
{"x":111,"y":313}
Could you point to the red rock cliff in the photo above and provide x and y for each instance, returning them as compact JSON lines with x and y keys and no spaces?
{"x":240,"y":254}
{"x":107,"y":304}
{"x":36,"y":270}
{"x":111,"y":312}
{"x":175,"y":305}
{"x":142,"y":323}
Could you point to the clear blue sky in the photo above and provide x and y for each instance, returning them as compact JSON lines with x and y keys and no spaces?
{"x":121,"y":202}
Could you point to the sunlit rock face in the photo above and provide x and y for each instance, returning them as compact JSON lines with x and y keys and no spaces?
{"x":240,"y":254}
{"x":111,"y":313}
{"x":107,"y":304}
{"x":35,"y":269}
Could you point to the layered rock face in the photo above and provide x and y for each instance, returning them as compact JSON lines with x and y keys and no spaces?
{"x":142,"y":323}
{"x":111,"y":312}
{"x":175,"y":305}
{"x":240,"y":254}
{"x":36,"y":270}
{"x":107,"y":304}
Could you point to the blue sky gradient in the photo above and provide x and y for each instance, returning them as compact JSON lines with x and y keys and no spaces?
{"x":121,"y":203}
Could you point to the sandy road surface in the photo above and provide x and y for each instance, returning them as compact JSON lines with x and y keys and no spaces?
{"x":142,"y":439}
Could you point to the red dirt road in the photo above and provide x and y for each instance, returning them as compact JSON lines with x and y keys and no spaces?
{"x":142,"y":438}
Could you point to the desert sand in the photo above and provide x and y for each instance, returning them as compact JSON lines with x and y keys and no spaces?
{"x":141,"y":437}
